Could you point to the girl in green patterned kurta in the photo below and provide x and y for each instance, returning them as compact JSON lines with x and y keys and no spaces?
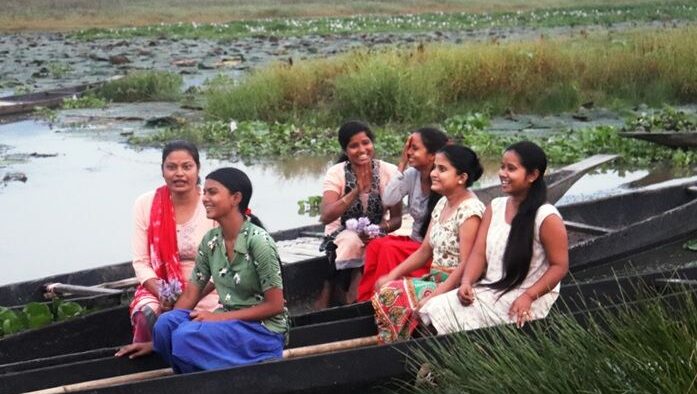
{"x":241,"y":259}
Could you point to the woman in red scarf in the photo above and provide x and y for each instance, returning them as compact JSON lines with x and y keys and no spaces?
{"x":169,"y":225}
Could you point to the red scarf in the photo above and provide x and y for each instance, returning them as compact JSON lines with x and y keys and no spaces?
{"x":162,"y":243}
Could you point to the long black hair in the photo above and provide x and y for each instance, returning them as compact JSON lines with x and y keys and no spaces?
{"x":348,"y":130}
{"x":434,"y":140}
{"x":235,"y":180}
{"x":518,"y":253}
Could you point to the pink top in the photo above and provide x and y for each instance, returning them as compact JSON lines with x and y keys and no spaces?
{"x":189,"y":235}
{"x":335,"y":180}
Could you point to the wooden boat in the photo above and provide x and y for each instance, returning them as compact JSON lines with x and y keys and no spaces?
{"x":111,"y":275}
{"x":23,"y":103}
{"x":365,"y":369}
{"x":618,"y":226}
{"x":673,"y":139}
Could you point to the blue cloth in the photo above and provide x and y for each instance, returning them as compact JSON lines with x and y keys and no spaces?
{"x":190,"y":346}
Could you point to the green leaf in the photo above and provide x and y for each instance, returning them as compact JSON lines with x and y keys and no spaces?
{"x":10,"y":322}
{"x":691,"y":245}
{"x":38,"y":315}
{"x":68,"y":310}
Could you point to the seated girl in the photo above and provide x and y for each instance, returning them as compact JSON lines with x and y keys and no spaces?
{"x":169,"y":224}
{"x":519,"y":258}
{"x":353,"y":189}
{"x":383,"y":254}
{"x":450,"y":237}
{"x":242,"y":260}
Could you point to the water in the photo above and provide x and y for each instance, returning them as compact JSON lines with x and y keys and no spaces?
{"x":74,"y":212}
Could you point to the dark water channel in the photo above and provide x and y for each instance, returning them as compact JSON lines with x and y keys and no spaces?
{"x":74,"y":210}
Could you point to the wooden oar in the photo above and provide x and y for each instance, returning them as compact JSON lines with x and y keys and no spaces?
{"x":136,"y":377}
{"x":62,"y":288}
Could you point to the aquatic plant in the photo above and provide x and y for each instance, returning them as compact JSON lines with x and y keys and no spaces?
{"x":143,"y":86}
{"x":667,"y":119}
{"x":86,"y":101}
{"x":37,"y":315}
{"x":646,"y":346}
{"x":574,"y":14}
{"x":256,"y":140}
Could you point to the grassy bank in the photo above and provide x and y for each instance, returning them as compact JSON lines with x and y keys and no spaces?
{"x":431,"y":83}
{"x":645,"y":348}
{"x":51,"y":15}
{"x":420,"y":22}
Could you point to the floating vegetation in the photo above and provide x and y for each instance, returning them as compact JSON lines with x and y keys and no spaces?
{"x":285,"y":27}
{"x":143,"y":86}
{"x":309,"y":206}
{"x":86,"y":101}
{"x":645,"y":347}
{"x":37,"y":315}
{"x":256,"y":140}
{"x":668,"y":119}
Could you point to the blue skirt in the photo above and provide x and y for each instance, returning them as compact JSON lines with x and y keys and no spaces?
{"x":190,"y":346}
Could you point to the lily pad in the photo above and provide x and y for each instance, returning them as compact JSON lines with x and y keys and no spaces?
{"x":691,"y":245}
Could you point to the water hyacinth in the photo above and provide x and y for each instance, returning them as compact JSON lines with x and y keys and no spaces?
{"x":169,"y":291}
{"x":362,"y":225}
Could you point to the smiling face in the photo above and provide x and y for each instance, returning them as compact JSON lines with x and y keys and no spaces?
{"x":180,"y":171}
{"x":444,"y":176}
{"x":418,"y":155}
{"x":515,"y":179}
{"x":360,"y":149}
{"x":218,"y":201}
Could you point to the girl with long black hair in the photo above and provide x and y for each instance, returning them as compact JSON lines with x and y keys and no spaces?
{"x":414,"y":181}
{"x":519,"y":257}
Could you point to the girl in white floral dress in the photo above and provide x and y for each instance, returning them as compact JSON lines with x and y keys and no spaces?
{"x":519,"y":258}
{"x":451,"y":233}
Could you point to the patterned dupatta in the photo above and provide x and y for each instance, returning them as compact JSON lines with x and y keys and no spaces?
{"x":162,"y":243}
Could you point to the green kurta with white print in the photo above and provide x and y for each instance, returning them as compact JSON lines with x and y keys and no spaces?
{"x":241,"y":283}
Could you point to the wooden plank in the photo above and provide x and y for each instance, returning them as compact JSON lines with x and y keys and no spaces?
{"x":586,"y":228}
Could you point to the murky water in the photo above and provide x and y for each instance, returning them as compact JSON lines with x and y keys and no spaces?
{"x":74,"y":211}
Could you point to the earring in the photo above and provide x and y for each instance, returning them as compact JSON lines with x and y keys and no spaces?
{"x":459,"y":182}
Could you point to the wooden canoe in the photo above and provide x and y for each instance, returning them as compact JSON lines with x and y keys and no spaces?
{"x":672,"y":139}
{"x":621,"y":225}
{"x":365,"y":369}
{"x":23,"y":103}
{"x":33,"y":290}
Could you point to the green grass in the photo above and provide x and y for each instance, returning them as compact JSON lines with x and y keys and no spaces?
{"x":143,"y":86}
{"x":430,"y":83}
{"x":43,"y":15}
{"x":641,"y":348}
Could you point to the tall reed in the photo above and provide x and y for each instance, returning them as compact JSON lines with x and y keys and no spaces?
{"x":644,"y":347}
{"x":429,"y":83}
{"x":143,"y":86}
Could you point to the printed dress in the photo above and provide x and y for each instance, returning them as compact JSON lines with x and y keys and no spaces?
{"x":447,"y":314}
{"x":241,"y":282}
{"x":395,"y":302}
